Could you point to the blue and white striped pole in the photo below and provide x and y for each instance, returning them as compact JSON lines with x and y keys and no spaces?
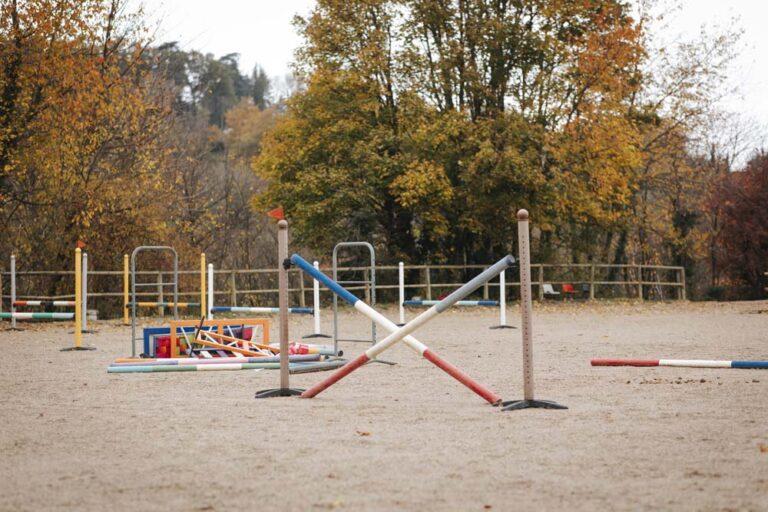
{"x":459,"y":303}
{"x":261,"y":310}
{"x":403,"y":333}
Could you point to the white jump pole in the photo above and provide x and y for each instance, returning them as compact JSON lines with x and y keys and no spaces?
{"x":316,"y":306}
{"x":316,"y":299}
{"x":209,"y":313}
{"x":502,"y":304}
{"x":401,"y":291}
{"x":526,"y":310}
{"x":84,"y":307}
{"x":13,"y":291}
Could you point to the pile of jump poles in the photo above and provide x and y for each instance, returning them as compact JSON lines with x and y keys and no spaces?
{"x":403,"y":333}
{"x":80,"y":303}
{"x":235,"y":349}
{"x":501,"y":303}
{"x":227,"y":345}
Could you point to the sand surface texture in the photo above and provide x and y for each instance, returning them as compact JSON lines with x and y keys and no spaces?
{"x":404,"y":437}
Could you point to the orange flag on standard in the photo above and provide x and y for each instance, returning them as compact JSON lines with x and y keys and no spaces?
{"x":277,"y":213}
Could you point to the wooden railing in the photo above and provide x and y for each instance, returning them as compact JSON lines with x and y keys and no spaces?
{"x":239,"y":287}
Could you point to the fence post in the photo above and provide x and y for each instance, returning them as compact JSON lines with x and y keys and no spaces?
{"x":592,"y":282}
{"x":232,"y":289}
{"x":541,"y":282}
{"x":428,"y":280}
{"x":640,"y":282}
{"x":681,"y":279}
{"x":485,"y":288}
{"x":1,"y":289}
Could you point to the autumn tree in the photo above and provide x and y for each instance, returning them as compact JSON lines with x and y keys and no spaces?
{"x":79,"y":122}
{"x":426,"y":124}
{"x":742,"y":198}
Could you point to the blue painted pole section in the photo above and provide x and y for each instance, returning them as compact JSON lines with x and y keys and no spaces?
{"x":750,"y":364}
{"x":260,"y":309}
{"x":308,"y":268}
{"x":490,"y":303}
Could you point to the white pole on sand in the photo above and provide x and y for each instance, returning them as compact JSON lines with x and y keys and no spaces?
{"x":503,"y":304}
{"x":401,"y":291}
{"x":209,"y":313}
{"x":316,"y":307}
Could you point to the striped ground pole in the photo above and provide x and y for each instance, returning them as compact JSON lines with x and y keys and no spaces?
{"x":682,"y":363}
{"x":263,"y":310}
{"x":298,"y":367}
{"x":403,"y":333}
{"x":37,"y":316}
{"x":468,"y":303}
{"x":163,"y":304}
{"x":46,"y":303}
{"x":302,"y":358}
{"x":301,"y":348}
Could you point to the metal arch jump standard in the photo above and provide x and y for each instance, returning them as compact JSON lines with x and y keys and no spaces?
{"x":134,"y":300}
{"x":403,"y":333}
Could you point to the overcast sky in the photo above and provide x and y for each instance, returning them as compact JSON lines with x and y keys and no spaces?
{"x":261,"y":31}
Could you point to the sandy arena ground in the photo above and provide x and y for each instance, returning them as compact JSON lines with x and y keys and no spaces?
{"x":406,"y":437}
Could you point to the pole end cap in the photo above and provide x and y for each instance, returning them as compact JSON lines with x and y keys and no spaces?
{"x":522,"y":214}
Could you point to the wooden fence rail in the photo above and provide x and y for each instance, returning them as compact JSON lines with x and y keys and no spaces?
{"x":254,"y":287}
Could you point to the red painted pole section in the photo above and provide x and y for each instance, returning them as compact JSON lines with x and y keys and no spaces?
{"x":337,"y":376}
{"x":491,"y":397}
{"x":625,"y":362}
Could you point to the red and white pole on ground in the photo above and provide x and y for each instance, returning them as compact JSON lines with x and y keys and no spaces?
{"x":526,"y":310}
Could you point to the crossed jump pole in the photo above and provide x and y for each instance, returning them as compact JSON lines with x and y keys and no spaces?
{"x":403,"y":333}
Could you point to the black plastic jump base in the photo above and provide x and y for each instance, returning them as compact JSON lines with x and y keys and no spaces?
{"x":516,"y":405}
{"x":274,"y":393}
